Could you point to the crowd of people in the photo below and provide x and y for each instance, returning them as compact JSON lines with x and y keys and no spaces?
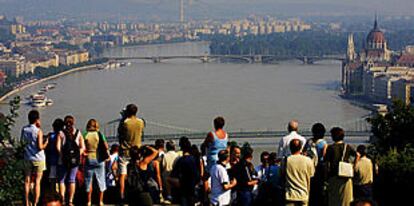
{"x":63,"y":164}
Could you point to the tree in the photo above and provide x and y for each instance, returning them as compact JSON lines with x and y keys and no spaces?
{"x":392,"y":149}
{"x":11,"y":159}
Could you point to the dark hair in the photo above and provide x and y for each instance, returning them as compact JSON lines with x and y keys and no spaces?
{"x":362,"y":150}
{"x":219,"y":123}
{"x":114,"y":148}
{"x":170,"y":145}
{"x":182,"y":141}
{"x":263,"y":155}
{"x":52,"y":197}
{"x":58,"y":125}
{"x":247,"y":152}
{"x":337,"y":134}
{"x":69,"y":124}
{"x":223,"y":155}
{"x":272,"y":158}
{"x":295,"y":145}
{"x":33,"y":116}
{"x":185,"y":145}
{"x":195,"y":152}
{"x":159,"y":143}
{"x":318,"y":130}
{"x":131,"y":110}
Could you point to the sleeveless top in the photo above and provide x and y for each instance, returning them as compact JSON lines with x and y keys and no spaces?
{"x":320,"y":144}
{"x":52,"y":155}
{"x":32,"y":151}
{"x":214,"y":148}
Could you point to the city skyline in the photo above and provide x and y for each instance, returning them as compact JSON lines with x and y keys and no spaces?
{"x":163,"y":10}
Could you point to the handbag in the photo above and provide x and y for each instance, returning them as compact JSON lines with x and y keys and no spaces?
{"x":345,"y":169}
{"x":103,"y":154}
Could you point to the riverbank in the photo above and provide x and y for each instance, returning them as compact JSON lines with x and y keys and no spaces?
{"x":19,"y":89}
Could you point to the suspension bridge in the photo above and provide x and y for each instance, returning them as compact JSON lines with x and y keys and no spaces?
{"x":357,"y":130}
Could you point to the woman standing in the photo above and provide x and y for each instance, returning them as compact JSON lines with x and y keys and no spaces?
{"x":96,"y":156}
{"x":70,"y":147}
{"x":339,"y":187}
{"x":140,"y":181}
{"x":216,"y":141}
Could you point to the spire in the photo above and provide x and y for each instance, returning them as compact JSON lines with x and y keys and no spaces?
{"x":376,"y":22}
{"x":351,"y":48}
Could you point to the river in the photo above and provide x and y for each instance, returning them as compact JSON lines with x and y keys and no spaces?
{"x":185,"y":95}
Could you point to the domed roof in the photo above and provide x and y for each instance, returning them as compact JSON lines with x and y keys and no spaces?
{"x":376,"y":35}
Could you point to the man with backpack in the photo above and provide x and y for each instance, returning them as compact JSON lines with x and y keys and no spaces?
{"x":70,"y":147}
{"x":315,"y":149}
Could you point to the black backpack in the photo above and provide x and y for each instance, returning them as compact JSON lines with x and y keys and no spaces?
{"x":71,"y":150}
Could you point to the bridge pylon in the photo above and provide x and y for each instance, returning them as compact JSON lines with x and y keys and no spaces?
{"x":257,"y":59}
{"x":204,"y":59}
{"x":156,"y":59}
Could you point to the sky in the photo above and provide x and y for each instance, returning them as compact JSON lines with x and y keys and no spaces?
{"x":202,"y":9}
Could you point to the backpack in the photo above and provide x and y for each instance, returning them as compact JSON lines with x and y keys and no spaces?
{"x":312,"y":152}
{"x":71,"y":150}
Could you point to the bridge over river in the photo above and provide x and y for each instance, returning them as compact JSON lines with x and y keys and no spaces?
{"x":358,"y":131}
{"x":244,"y":58}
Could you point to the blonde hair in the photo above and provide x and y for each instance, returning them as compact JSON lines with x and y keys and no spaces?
{"x":92,"y":125}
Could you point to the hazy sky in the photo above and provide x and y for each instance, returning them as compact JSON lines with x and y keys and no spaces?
{"x":168,"y":9}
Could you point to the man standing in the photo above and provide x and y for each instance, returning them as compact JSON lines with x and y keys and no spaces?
{"x":298,"y":170}
{"x":220,"y":182}
{"x":283,"y":150}
{"x":130,"y":135}
{"x":363,"y":177}
{"x":34,"y":155}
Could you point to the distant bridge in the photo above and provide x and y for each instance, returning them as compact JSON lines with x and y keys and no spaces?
{"x":245,"y":58}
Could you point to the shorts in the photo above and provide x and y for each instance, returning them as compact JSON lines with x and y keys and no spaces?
{"x":31,"y":167}
{"x":122,"y":164}
{"x":67,"y":175}
{"x":53,"y":172}
{"x":93,"y":167}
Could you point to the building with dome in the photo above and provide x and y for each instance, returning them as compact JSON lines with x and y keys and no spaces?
{"x":376,"y":73}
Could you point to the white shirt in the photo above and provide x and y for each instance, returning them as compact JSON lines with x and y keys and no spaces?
{"x":219,"y":176}
{"x":284,"y":149}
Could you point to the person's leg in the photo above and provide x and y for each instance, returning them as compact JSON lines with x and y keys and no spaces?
{"x":100,"y":178}
{"x":88,"y":184}
{"x":27,"y":179}
{"x":61,"y":179}
{"x":72,"y":184}
{"x":123,"y":162}
{"x":37,"y":187}
{"x":28,"y":167}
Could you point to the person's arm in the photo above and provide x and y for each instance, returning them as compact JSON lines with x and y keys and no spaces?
{"x":40,"y":144}
{"x":156,"y":165}
{"x":209,"y":139}
{"x":81,"y":144}
{"x":230,"y":185}
{"x":324,"y":150}
{"x":59,"y":142}
{"x":280,"y":149}
{"x":153,"y":155}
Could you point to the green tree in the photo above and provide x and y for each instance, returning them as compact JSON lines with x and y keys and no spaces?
{"x":392,"y":149}
{"x":11,"y":159}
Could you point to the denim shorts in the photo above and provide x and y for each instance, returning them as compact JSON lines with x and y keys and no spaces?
{"x":66,"y":174}
{"x":93,"y":167}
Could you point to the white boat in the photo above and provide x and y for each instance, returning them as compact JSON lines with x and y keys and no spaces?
{"x":49,"y":102}
{"x":38,"y":100}
{"x":50,"y":86}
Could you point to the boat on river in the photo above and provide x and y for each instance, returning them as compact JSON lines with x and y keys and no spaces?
{"x":38,"y":100}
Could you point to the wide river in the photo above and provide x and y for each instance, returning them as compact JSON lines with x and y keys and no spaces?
{"x":185,"y":95}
